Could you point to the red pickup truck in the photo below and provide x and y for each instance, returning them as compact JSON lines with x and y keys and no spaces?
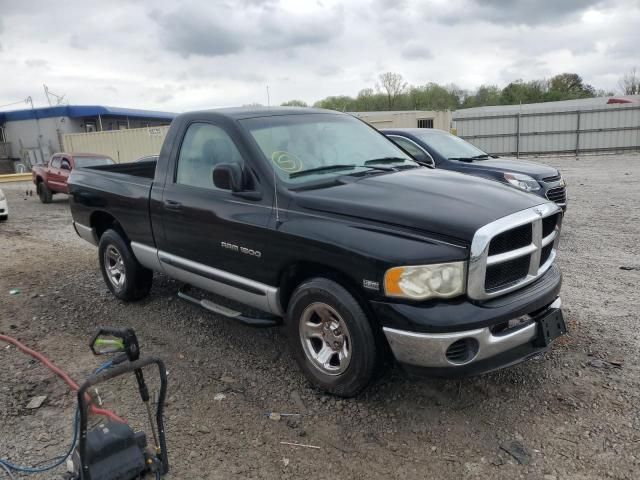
{"x":51,"y":177}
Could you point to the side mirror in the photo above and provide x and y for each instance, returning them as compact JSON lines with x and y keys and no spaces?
{"x":228,"y":176}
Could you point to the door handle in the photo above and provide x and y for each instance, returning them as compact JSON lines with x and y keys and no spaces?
{"x":172,"y":205}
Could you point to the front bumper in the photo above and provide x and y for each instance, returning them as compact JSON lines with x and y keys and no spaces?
{"x":422,"y":336}
{"x":487,"y":351}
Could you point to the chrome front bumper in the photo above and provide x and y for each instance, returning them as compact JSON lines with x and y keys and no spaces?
{"x":429,"y":349}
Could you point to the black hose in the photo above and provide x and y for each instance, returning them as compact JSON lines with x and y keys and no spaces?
{"x":6,"y":469}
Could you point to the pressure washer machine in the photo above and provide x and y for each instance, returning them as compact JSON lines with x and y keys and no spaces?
{"x":112,"y":450}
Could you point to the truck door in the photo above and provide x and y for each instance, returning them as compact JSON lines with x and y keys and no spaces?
{"x":53,"y":174}
{"x":65,"y":171}
{"x":205,"y":225}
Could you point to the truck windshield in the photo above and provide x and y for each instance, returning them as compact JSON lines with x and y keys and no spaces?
{"x":92,"y":161}
{"x":318,"y":146}
{"x":452,"y":147}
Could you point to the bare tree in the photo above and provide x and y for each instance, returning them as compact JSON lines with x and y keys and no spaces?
{"x":630,"y":83}
{"x":393,"y":84}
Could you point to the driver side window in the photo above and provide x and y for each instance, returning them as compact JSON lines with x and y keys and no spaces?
{"x":204,"y":146}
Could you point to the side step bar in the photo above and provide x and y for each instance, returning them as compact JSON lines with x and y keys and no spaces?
{"x":228,"y":312}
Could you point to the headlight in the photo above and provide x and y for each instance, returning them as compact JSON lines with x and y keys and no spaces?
{"x":2,"y":197}
{"x":441,"y":280}
{"x":524,"y":182}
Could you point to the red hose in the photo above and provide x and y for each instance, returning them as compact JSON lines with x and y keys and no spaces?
{"x":67,"y":379}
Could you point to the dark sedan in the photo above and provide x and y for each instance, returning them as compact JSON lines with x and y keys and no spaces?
{"x":448,"y":152}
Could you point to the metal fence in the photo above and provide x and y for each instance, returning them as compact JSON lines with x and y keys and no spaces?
{"x":121,"y":145}
{"x":561,"y":129}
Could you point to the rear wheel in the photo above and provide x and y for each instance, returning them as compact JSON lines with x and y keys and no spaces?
{"x":123,"y":274}
{"x":44,"y":193}
{"x":332,"y":338}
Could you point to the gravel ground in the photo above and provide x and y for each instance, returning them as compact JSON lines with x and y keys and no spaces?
{"x":572,"y":413}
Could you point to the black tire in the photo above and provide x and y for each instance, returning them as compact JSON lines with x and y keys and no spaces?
{"x":44,"y":193}
{"x":4,"y":218}
{"x":365,"y":354}
{"x":135,"y":280}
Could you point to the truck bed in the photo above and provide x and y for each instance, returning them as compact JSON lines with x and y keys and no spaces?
{"x":145,"y":169}
{"x":121,"y":191}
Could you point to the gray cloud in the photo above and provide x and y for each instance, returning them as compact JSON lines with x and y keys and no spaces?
{"x":326,"y":70}
{"x":188,"y":34}
{"x":520,"y":12}
{"x":416,"y":51}
{"x":262,"y":25}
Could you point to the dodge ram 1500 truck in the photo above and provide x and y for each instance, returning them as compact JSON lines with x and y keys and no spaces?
{"x":315,"y":218}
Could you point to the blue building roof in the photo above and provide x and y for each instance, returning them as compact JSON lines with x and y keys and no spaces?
{"x":76,"y":111}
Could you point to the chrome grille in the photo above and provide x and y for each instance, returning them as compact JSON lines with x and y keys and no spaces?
{"x":511,"y":239}
{"x":513,"y":251}
{"x":557,"y":194}
{"x":506,"y":273}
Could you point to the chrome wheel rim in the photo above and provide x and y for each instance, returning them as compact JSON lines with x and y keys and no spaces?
{"x":325,"y":338}
{"x":114,"y":266}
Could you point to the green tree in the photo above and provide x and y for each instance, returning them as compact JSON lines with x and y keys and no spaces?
{"x":368,"y":100}
{"x":567,"y":86}
{"x":342,"y":103}
{"x":294,"y":103}
{"x":523,"y":92}
{"x":434,"y":97}
{"x":484,"y":95}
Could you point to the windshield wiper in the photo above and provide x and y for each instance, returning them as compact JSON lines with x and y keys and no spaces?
{"x":385,"y":160}
{"x":324,"y":168}
{"x":470,"y":159}
{"x":331,"y":168}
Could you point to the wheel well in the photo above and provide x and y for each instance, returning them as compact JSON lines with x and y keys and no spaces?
{"x":102,"y":221}
{"x":297,"y":273}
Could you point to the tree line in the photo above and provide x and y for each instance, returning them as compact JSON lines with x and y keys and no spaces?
{"x":392,"y":92}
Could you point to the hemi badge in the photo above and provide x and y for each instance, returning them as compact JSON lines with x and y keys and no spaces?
{"x":370,"y":284}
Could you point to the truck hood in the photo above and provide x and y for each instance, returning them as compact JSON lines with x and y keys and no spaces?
{"x":506,"y":164}
{"x":437,"y":202}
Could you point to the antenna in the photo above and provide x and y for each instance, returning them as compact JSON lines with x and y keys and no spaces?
{"x":275,"y":175}
{"x":58,"y":98}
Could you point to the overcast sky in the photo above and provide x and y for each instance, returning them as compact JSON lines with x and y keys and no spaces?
{"x":182,"y":55}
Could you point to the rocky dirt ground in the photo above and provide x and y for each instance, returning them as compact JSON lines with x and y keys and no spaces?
{"x":572,"y":413}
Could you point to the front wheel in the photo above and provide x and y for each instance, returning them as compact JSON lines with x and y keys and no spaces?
{"x":123,"y":274}
{"x":331,"y":337}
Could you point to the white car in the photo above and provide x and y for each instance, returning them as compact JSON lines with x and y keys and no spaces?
{"x":4,"y":208}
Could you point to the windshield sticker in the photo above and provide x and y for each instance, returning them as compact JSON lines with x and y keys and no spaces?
{"x":286,"y":161}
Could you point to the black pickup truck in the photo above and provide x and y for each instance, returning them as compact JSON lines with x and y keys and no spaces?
{"x":316,"y":219}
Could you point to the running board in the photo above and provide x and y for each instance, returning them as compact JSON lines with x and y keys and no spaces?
{"x":228,"y":312}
